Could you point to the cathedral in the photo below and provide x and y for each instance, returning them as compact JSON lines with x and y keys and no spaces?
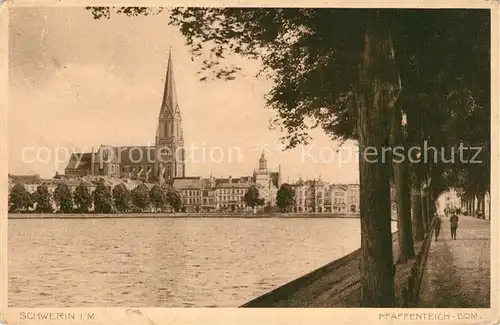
{"x":160,"y":163}
{"x":165,"y":162}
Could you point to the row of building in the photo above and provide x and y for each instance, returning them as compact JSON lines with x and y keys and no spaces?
{"x":224,"y":194}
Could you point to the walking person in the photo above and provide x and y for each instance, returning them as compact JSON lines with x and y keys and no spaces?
{"x":454,"y":225}
{"x":437,"y":227}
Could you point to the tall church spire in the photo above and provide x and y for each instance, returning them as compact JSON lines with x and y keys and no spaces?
{"x":170,"y":106}
{"x":169,"y":131}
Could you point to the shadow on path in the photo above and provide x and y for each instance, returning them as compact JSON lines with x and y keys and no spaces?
{"x":457,"y":273}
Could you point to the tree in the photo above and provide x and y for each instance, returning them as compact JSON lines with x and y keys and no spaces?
{"x":158,"y":198}
{"x":122,"y":198}
{"x":379,"y":88}
{"x":63,"y":198}
{"x":140,"y":196}
{"x":173,"y":198}
{"x":19,"y":199}
{"x":43,"y":199}
{"x":351,"y":84}
{"x":285,"y":198}
{"x":82,"y":198}
{"x":103,"y":200}
{"x":402,"y":195}
{"x":251,"y":197}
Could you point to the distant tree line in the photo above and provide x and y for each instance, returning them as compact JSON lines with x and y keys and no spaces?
{"x":285,"y":199}
{"x":122,"y":200}
{"x":101,"y":200}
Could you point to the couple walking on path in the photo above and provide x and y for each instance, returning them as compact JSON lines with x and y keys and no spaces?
{"x":453,"y":226}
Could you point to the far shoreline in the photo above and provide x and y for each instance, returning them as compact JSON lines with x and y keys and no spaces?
{"x":20,"y":216}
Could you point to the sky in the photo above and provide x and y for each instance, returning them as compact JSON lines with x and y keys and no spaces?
{"x":76,"y":83}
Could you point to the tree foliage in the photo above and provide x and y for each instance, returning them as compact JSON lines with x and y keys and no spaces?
{"x":19,"y":199}
{"x":82,"y":198}
{"x":285,"y":198}
{"x":63,"y":198}
{"x":252,"y":198}
{"x":173,"y":198}
{"x":140,"y":197}
{"x":43,"y":199}
{"x":158,"y":198}
{"x":103,"y":200}
{"x":122,"y":198}
{"x":315,"y":70}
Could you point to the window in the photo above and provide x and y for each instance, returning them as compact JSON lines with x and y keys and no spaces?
{"x":166,"y":129}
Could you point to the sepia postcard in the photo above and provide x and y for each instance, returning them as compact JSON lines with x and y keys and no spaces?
{"x":228,"y":162}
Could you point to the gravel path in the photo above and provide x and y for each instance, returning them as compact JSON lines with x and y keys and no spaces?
{"x":458,"y":271}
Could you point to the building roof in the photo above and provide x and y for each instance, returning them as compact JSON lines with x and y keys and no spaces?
{"x":132,"y":183}
{"x":127,"y":155}
{"x":338,"y":187}
{"x":25,"y":179}
{"x":69,"y":182}
{"x":207,"y":182}
{"x":107,"y":154}
{"x":150,"y":185}
{"x":137,"y":155}
{"x":188,"y":182}
{"x":79,"y":160}
{"x":230,"y":180}
{"x":235,"y":185}
{"x":300,"y":182}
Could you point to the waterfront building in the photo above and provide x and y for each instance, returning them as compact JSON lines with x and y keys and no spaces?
{"x":212,"y":194}
{"x":267,"y":181}
{"x":317,"y":196}
{"x":300,"y":196}
{"x":230,"y":193}
{"x":190,"y":189}
{"x":320,"y":193}
{"x":353,"y":198}
{"x":339,"y":197}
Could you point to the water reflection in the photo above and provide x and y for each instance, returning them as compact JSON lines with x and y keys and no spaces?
{"x":166,"y":262}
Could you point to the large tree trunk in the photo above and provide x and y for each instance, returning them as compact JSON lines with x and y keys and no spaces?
{"x":423,"y":204}
{"x":430,"y":208}
{"x":473,"y":204}
{"x":402,"y":187}
{"x":416,"y":199}
{"x":375,"y":99}
{"x":489,"y":207}
{"x":405,"y":234}
{"x":418,"y":227}
{"x":481,"y":205}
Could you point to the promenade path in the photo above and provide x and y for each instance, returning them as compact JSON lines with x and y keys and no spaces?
{"x":457,"y":273}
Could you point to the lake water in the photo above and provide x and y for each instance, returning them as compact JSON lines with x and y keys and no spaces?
{"x":191,"y":262}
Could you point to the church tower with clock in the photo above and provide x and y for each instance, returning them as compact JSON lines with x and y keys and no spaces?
{"x":169,"y":143}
